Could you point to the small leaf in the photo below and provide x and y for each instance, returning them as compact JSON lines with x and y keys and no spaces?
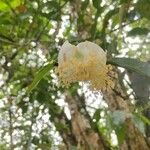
{"x":123,"y":1}
{"x":118,"y":117}
{"x":135,"y":65}
{"x":84,"y":4}
{"x":96,"y":3}
{"x":35,"y":140}
{"x":39,"y":76}
{"x":53,"y":4}
{"x":112,"y":47}
{"x":120,"y":132}
{"x":143,"y":8}
{"x":138,"y":31}
{"x":7,"y":5}
{"x":139,"y":123}
{"x":96,"y":115}
{"x":143,"y":118}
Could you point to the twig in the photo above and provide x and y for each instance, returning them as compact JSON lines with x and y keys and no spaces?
{"x":10,"y":129}
{"x":123,"y":25}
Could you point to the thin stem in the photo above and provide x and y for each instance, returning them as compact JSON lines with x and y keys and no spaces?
{"x":10,"y":129}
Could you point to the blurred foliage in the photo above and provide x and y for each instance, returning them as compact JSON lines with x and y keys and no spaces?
{"x":33,"y":112}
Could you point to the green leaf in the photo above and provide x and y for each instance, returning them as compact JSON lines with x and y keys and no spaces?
{"x":73,"y":89}
{"x":135,"y":65}
{"x":123,"y":1}
{"x":96,"y":3}
{"x":53,"y":4}
{"x":143,"y":8}
{"x":39,"y":76}
{"x":139,"y":123}
{"x":84,"y":4}
{"x":145,"y":120}
{"x":112,"y":47}
{"x":96,"y":115}
{"x":60,"y":126}
{"x":120,"y":132}
{"x":142,"y":118}
{"x":7,"y":5}
{"x":35,"y":140}
{"x":138,"y":31}
{"x":118,"y":117}
{"x":42,"y":91}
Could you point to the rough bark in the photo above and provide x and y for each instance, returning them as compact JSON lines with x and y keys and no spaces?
{"x":86,"y":137}
{"x":117,"y":99}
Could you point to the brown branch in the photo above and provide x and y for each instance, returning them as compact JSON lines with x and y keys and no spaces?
{"x":124,"y":25}
{"x":10,"y":128}
{"x":85,"y":135}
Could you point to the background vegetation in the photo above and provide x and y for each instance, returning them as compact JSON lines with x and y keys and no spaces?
{"x":38,"y":114}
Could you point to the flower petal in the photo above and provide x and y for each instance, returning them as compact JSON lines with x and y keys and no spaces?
{"x":87,"y":48}
{"x":66,"y":52}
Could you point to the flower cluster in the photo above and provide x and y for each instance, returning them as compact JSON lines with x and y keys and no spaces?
{"x":85,"y":62}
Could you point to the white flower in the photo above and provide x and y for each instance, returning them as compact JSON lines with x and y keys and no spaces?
{"x":84,"y":62}
{"x":68,"y":51}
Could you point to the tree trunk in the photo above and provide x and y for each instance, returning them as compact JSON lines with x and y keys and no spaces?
{"x":117,"y":99}
{"x":86,"y":137}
